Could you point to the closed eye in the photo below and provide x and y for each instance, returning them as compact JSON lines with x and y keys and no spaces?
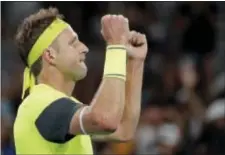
{"x":73,"y":40}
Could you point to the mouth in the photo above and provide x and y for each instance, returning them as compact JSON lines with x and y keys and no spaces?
{"x":83,"y":60}
{"x":83,"y":57}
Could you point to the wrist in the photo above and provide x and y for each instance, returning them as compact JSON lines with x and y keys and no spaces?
{"x":115,"y":62}
{"x":118,"y":42}
{"x":135,"y":65}
{"x":136,"y":58}
{"x":115,"y":44}
{"x":132,"y":60}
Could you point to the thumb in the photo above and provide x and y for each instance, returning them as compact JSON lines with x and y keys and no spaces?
{"x":131,"y":34}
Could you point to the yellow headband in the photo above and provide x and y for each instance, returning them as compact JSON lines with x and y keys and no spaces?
{"x":43,"y":42}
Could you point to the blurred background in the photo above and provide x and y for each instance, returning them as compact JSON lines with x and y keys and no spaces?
{"x":183,"y":96}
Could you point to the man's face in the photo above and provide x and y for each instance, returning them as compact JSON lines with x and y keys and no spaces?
{"x":70,"y":59}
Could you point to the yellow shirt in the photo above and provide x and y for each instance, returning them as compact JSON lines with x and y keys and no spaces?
{"x":42,"y":124}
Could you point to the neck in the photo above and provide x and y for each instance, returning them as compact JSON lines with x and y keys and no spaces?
{"x":57,"y":80}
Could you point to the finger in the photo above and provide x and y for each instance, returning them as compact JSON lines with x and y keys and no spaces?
{"x":135,"y":38}
{"x":125,"y":24}
{"x":120,"y":27}
{"x":139,"y":39}
{"x":127,"y":27}
{"x":112,"y":24}
{"x":120,"y":16}
{"x":113,"y":21}
{"x":114,"y":16}
{"x":131,"y":33}
{"x":132,"y":36}
{"x":124,"y":21}
{"x":120,"y":21}
{"x":104,"y":18}
{"x":104,"y":24}
{"x":143,"y":38}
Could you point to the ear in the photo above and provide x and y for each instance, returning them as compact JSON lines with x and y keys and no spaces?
{"x":50,"y":55}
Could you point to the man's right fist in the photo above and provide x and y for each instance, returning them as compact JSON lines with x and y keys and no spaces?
{"x":115,"y":29}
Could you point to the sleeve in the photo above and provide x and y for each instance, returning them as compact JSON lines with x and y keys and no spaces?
{"x":53,"y":123}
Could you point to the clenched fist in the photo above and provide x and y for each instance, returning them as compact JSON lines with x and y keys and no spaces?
{"x":137,"y":46}
{"x":115,"y":29}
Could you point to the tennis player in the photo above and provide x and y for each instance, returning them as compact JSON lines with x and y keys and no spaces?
{"x":50,"y":120}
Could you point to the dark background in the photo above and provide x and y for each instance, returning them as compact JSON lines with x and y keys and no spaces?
{"x":184,"y":71}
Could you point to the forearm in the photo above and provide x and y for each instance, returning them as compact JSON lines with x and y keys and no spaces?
{"x":131,"y":112}
{"x":110,"y":99}
{"x":133,"y":98}
{"x":108,"y":104}
{"x":105,"y":110}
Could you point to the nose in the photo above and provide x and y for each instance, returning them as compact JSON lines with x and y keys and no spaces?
{"x":85,"y":49}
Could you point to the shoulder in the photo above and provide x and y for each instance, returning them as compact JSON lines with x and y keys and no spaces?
{"x":54,"y":121}
{"x":61,"y":104}
{"x":42,"y":95}
{"x":39,"y":99}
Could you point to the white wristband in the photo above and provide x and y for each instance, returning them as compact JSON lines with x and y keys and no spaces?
{"x":81,"y":120}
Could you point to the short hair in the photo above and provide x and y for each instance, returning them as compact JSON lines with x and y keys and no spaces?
{"x":30,"y":30}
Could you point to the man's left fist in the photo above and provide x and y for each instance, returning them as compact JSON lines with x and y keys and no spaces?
{"x":137,"y":46}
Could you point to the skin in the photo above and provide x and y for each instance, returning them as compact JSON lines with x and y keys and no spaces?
{"x":65,"y":60}
{"x":137,"y":50}
{"x":115,"y":107}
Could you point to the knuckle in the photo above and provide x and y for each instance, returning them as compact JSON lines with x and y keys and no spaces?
{"x":136,"y":34}
{"x":120,"y":16}
{"x":114,"y":16}
{"x":106,"y":16}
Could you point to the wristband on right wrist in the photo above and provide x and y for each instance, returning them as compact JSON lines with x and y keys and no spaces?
{"x":115,"y":62}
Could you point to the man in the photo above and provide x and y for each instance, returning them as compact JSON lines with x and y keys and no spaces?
{"x":50,"y":120}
